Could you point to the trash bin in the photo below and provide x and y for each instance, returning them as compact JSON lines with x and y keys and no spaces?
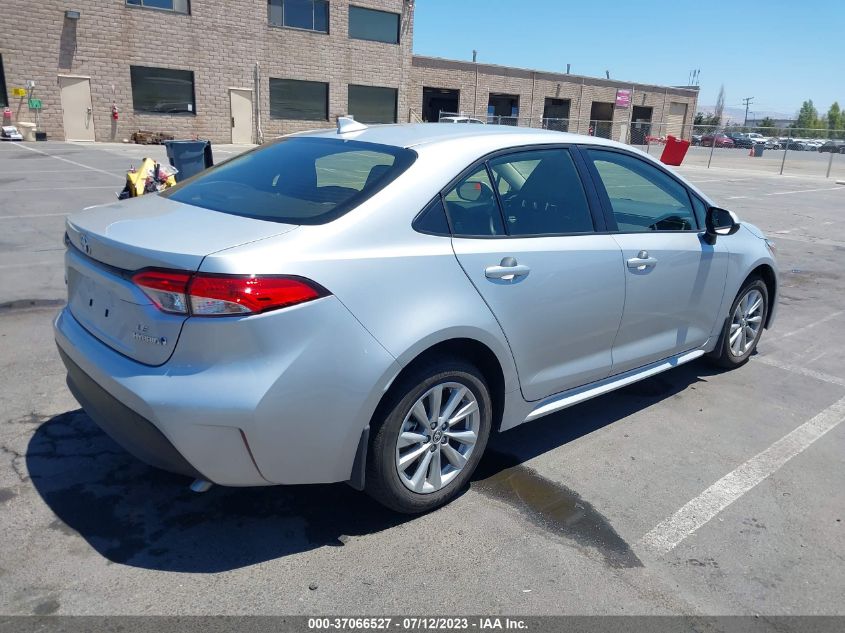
{"x":189,"y":157}
{"x":674,"y":152}
{"x":27,"y":130}
{"x":758,"y":149}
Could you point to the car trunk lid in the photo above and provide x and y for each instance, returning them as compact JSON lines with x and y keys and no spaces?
{"x":107,"y":244}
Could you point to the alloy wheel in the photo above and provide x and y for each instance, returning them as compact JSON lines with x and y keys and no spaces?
{"x":437,"y":437}
{"x":746,"y":322}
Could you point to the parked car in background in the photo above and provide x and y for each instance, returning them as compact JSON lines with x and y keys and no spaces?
{"x":10,"y":133}
{"x":773,"y":143}
{"x":369,"y":304}
{"x":755,"y":137}
{"x":696,"y":139}
{"x":717,"y":140}
{"x":813,"y":145}
{"x":833,"y":146}
{"x":741,"y":140}
{"x":793,"y":144}
{"x":459,"y":119}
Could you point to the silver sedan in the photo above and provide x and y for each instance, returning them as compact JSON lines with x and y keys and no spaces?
{"x":368,"y":304}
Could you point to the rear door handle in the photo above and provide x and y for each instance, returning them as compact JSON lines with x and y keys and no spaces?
{"x":508,"y":269}
{"x":642,"y":261}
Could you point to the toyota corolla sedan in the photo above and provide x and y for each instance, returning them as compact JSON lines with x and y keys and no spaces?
{"x":368,"y":304}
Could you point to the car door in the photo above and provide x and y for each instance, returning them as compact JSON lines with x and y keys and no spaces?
{"x":674,"y":280}
{"x":524,"y":233}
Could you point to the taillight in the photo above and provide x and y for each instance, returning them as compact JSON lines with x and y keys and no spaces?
{"x":166,"y":288}
{"x":229,"y":294}
{"x":223,"y":295}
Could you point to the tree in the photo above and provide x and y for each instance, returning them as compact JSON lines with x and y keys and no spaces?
{"x":808,"y":116}
{"x":702,"y":118}
{"x":766,"y":123}
{"x":835,"y":119}
{"x":720,"y":105}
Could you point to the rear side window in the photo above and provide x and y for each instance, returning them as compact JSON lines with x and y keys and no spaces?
{"x":296,"y":180}
{"x":541,"y":193}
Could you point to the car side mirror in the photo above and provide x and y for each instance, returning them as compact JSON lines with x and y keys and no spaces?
{"x":469,"y":191}
{"x":719,"y":222}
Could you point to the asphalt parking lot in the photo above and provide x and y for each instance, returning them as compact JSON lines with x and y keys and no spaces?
{"x":694,"y":492}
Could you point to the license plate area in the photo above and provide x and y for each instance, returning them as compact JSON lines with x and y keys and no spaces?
{"x":114,"y":310}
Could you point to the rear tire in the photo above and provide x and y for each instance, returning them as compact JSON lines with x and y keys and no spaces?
{"x":412,"y":467}
{"x":744,"y":325}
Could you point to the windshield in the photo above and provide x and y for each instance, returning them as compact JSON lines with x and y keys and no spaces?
{"x":297,"y":180}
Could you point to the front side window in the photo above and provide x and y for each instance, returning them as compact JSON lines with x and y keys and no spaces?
{"x":541,"y":193}
{"x":472,"y":207}
{"x":300,"y":100}
{"x":162,"y":90}
{"x":311,"y":15}
{"x":296,"y":180}
{"x":641,"y":196}
{"x":372,"y":104}
{"x":376,"y":26}
{"x":177,"y":6}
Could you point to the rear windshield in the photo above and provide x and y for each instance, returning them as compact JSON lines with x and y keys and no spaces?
{"x":296,"y":180}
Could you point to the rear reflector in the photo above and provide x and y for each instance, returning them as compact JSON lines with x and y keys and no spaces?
{"x":224,"y":295}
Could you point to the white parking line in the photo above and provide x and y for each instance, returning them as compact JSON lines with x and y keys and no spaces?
{"x":37,"y":172}
{"x":67,"y":160}
{"x":669,"y":533}
{"x":810,"y":373}
{"x":803,"y":328}
{"x":36,"y":215}
{"x":720,"y":180}
{"x":62,"y":187}
{"x":735,"y":197}
{"x":784,"y":193}
{"x":55,"y":262}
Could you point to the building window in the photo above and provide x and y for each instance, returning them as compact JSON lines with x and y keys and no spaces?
{"x":162,"y":90}
{"x":4,"y":97}
{"x":301,"y":100}
{"x":311,"y":15}
{"x":372,"y":104}
{"x":377,"y":26}
{"x":177,"y":6}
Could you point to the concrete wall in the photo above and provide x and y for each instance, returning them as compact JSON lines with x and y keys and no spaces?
{"x":477,"y":81}
{"x":220,"y":41}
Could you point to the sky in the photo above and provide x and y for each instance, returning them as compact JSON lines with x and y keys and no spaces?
{"x":781,"y":52}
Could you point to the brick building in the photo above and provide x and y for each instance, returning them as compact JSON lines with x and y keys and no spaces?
{"x":243,"y":70}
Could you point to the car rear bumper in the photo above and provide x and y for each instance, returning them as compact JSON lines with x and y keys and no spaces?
{"x":275,"y":398}
{"x":133,"y":432}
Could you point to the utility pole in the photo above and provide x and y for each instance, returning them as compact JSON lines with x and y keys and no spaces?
{"x":747,"y":101}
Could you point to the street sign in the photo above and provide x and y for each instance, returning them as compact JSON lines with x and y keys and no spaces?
{"x":35,"y":104}
{"x":623,"y":98}
{"x":19,"y":92}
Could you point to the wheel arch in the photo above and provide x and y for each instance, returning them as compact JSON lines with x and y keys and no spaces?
{"x":464,"y":348}
{"x":767,"y":274}
{"x":469,"y":349}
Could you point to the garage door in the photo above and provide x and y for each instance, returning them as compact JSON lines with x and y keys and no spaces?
{"x":675,"y":120}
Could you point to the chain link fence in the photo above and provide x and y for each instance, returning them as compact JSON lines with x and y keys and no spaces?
{"x":778,"y":150}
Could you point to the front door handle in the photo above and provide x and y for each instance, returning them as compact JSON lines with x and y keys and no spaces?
{"x":642,"y":261}
{"x":508,"y":269}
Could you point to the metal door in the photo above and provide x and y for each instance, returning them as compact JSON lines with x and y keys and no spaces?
{"x":77,"y":110}
{"x":241,"y":108}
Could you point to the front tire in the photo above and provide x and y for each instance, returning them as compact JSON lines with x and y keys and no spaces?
{"x":432,"y":431}
{"x":744,"y":325}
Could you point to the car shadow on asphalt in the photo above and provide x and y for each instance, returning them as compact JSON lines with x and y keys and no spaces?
{"x":140,"y":516}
